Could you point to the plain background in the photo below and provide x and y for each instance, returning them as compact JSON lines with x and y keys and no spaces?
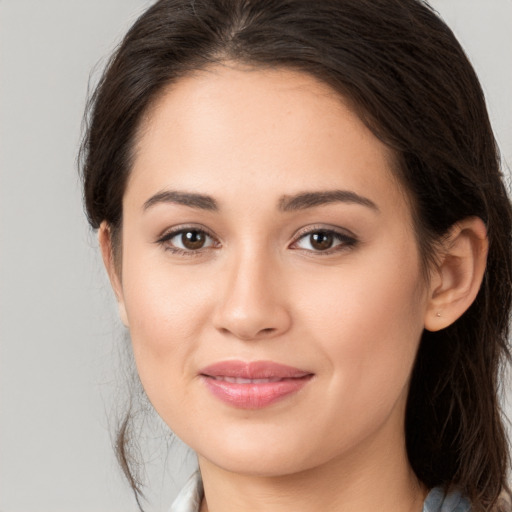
{"x":60,"y":338}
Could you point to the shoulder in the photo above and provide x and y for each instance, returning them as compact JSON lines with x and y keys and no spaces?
{"x":439,"y":501}
{"x":190,"y":497}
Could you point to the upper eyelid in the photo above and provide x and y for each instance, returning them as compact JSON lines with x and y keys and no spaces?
{"x":176,"y":230}
{"x":325,"y":228}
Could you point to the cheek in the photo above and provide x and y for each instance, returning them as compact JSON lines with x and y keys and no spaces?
{"x":163,"y":301}
{"x":368,"y":320}
{"x":167,"y":310}
{"x":163,"y":312}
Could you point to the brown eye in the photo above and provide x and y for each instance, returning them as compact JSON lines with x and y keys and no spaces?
{"x":324,"y":241}
{"x":321,"y":240}
{"x":193,"y":240}
{"x":189,"y":240}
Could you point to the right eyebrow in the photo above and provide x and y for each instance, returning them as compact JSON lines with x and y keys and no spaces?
{"x":306,"y":200}
{"x":190,"y":199}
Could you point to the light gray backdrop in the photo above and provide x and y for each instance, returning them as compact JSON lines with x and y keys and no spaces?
{"x":58,"y":327}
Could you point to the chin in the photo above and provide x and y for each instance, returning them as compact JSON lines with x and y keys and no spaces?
{"x":262,"y":454}
{"x":260,"y":462}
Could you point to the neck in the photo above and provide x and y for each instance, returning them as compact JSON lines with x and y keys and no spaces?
{"x":374,"y":477}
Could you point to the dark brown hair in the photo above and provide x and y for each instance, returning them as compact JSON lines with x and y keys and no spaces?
{"x":409,"y":80}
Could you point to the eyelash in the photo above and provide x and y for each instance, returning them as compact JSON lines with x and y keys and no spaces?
{"x":346,"y":241}
{"x":164,"y":239}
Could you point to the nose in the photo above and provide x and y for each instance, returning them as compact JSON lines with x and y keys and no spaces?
{"x":252,"y":304}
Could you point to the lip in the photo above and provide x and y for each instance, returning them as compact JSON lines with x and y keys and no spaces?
{"x":253,"y":385}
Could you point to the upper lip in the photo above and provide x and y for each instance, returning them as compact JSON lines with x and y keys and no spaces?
{"x":253,"y":370}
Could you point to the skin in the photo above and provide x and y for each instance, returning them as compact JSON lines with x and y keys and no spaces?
{"x":259,"y":290}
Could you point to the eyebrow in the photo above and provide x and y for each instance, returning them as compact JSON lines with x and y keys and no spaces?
{"x":306,"y":200}
{"x":190,"y":199}
{"x":286,"y":203}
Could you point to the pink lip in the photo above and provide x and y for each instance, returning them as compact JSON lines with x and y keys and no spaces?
{"x":253,"y":385}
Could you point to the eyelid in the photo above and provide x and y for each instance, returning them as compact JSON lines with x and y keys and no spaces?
{"x":323,"y":227}
{"x":344,"y":235}
{"x":174,"y":230}
{"x":170,"y":233}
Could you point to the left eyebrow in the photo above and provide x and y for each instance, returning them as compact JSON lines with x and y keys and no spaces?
{"x":306,"y":200}
{"x":191,"y":199}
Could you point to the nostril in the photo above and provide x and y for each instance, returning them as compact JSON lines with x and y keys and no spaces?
{"x":251,"y":320}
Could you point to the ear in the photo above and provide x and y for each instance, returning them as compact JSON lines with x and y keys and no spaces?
{"x":456,"y":280}
{"x":105,"y":242}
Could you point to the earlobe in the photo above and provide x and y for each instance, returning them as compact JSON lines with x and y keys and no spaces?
{"x":107,"y":253}
{"x":457,"y":278}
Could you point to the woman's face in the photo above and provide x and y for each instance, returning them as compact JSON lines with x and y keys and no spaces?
{"x":271,"y":279}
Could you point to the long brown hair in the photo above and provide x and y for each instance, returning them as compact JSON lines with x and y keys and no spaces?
{"x":409,"y":80}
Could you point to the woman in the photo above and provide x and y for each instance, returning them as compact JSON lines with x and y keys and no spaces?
{"x":301,"y":212}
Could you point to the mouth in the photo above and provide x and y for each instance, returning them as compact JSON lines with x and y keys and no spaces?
{"x":253,"y":385}
{"x":240,"y":380}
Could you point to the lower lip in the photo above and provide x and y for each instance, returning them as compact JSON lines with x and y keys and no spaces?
{"x":254,"y":395}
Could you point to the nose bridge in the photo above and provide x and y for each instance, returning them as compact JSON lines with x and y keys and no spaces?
{"x":252,"y":304}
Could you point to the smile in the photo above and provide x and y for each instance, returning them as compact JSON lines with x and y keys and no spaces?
{"x":239,"y":380}
{"x":253,"y":385}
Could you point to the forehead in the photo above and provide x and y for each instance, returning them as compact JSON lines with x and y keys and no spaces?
{"x":256,"y":131}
